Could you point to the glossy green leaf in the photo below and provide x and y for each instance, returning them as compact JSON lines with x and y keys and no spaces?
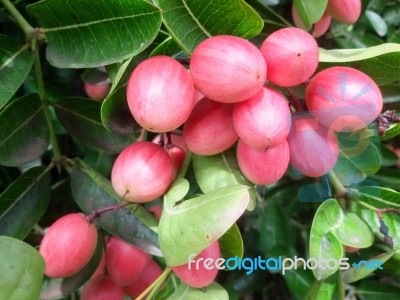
{"x":375,"y":290}
{"x":359,"y":272}
{"x":216,"y":171}
{"x":22,"y":269}
{"x":15,"y":63}
{"x":168,"y":47}
{"x":377,"y":196}
{"x":196,"y":223}
{"x":25,"y":199}
{"x":132,"y":223}
{"x":212,"y":292}
{"x":81,"y":118}
{"x":24,"y":134}
{"x":231,"y":243}
{"x":190,"y":22}
{"x":83,"y":35}
{"x":379,"y":62}
{"x":389,"y":157}
{"x":323,"y":290}
{"x":354,"y":232}
{"x":391,"y":132}
{"x":310,"y":11}
{"x":57,"y":288}
{"x":377,"y":22}
{"x":299,"y":281}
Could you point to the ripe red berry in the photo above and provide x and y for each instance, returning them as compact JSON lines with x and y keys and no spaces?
{"x":125,"y":262}
{"x":263,"y":121}
{"x":227,"y":68}
{"x":98,"y":91}
{"x":160,"y":94}
{"x":101,"y":288}
{"x":209,"y":129}
{"x":142,"y":172}
{"x":263,"y":167}
{"x":313,"y":149}
{"x":319,"y":28}
{"x":292,"y":56}
{"x":345,"y":11}
{"x":343,"y":99}
{"x":68,"y":245}
{"x":201,"y":276}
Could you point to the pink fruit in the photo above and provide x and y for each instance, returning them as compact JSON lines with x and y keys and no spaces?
{"x":125,"y":262}
{"x":149,"y":275}
{"x":313,"y":149}
{"x":176,"y":139}
{"x":263,"y":121}
{"x":345,"y":11}
{"x":101,"y":267}
{"x":156,"y":210}
{"x":343,"y":99}
{"x":201,"y":276}
{"x":68,"y":245}
{"x":209,"y":129}
{"x":319,"y":28}
{"x":292,"y":56}
{"x":160,"y":94}
{"x":227,"y":68}
{"x":98,"y":91}
{"x":142,"y":172}
{"x":350,"y":249}
{"x":263,"y":167}
{"x":101,"y":288}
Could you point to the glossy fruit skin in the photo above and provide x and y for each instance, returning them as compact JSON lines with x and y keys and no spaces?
{"x":343,"y":99}
{"x":68,"y":245}
{"x":160,"y":94}
{"x":345,"y":11}
{"x":263,"y":121}
{"x":142,"y":172}
{"x":319,"y":28}
{"x":177,"y":151}
{"x":148,"y":276}
{"x":313,"y":149}
{"x":101,"y":267}
{"x":227,"y":68}
{"x":292,"y":56}
{"x":209,"y":129}
{"x":201,"y":277}
{"x":263,"y":167}
{"x":101,"y":288}
{"x":98,"y":91}
{"x":125,"y":263}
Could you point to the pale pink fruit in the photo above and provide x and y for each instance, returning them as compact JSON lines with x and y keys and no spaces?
{"x":227,"y":68}
{"x":343,"y":99}
{"x":160,"y":94}
{"x":263,"y":121}
{"x":319,"y":28}
{"x":313,"y":149}
{"x":68,"y":245}
{"x":142,"y":172}
{"x":209,"y":129}
{"x":101,"y":267}
{"x":201,"y":276}
{"x":263,"y":167}
{"x":125,"y":262}
{"x":156,"y":210}
{"x":292,"y":56}
{"x":345,"y":11}
{"x":97,"y":91}
{"x":101,"y":288}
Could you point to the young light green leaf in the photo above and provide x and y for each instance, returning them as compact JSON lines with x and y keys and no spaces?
{"x":83,"y":35}
{"x":377,"y":22}
{"x":177,"y":191}
{"x":310,"y":11}
{"x":375,"y":61}
{"x":25,"y":199}
{"x":196,"y":223}
{"x":203,"y":19}
{"x":81,"y":118}
{"x":231,"y":243}
{"x":15,"y":63}
{"x":22,"y":270}
{"x":24,"y":134}
{"x":212,"y":292}
{"x":376,"y":196}
{"x":132,"y":223}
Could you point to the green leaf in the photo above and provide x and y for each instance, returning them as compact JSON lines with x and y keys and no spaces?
{"x":15,"y":63}
{"x":212,"y":292}
{"x":24,"y":134}
{"x":56,"y":288}
{"x":216,"y":171}
{"x":356,"y":273}
{"x":354,"y":232}
{"x":388,"y":177}
{"x":379,"y":62}
{"x":196,"y":223}
{"x":25,"y":199}
{"x":83,"y":35}
{"x":377,"y":196}
{"x":299,"y":281}
{"x":273,"y":20}
{"x":310,"y":11}
{"x":132,"y":223}
{"x":81,"y":118}
{"x":22,"y":269}
{"x":168,"y":47}
{"x":231,"y":243}
{"x":324,"y":244}
{"x":389,"y":157}
{"x":199,"y":20}
{"x":375,"y":290}
{"x":323,"y":290}
{"x":391,"y":132}
{"x":391,"y":93}
{"x":377,"y":22}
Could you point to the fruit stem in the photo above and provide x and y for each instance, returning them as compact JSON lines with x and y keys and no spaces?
{"x":341,"y":290}
{"x":341,"y":191}
{"x":185,"y":165}
{"x":160,"y":279}
{"x":21,"y":21}
{"x":96,"y":213}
